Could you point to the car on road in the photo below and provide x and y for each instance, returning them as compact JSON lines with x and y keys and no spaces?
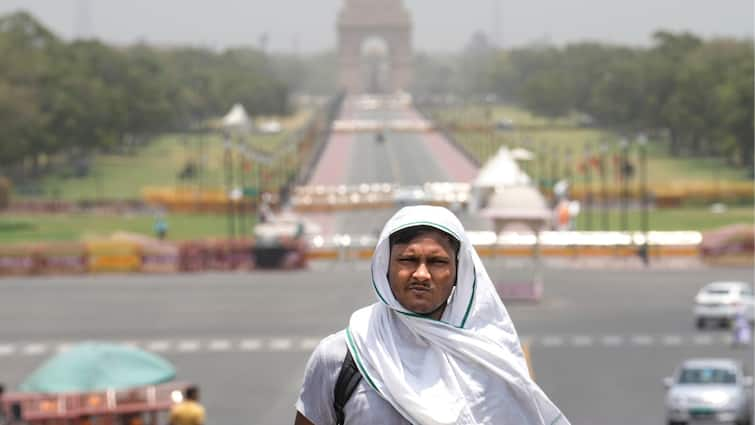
{"x":713,"y":390}
{"x":721,"y":301}
{"x":409,"y":195}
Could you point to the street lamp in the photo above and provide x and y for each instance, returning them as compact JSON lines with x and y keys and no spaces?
{"x":605,"y":224}
{"x":587,"y":168}
{"x":642,"y":142}
{"x":228,"y":169}
{"x":624,"y":182}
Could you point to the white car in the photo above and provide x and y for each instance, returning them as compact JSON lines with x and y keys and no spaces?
{"x":721,"y":301}
{"x":710,"y":391}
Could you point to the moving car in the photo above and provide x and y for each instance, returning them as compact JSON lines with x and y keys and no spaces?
{"x":709,"y":390}
{"x":721,"y":301}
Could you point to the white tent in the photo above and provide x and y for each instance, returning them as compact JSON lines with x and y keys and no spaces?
{"x":237,"y":119}
{"x":501,"y":170}
{"x":517,"y":204}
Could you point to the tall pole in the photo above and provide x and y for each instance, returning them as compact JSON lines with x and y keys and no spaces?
{"x":537,"y":169}
{"x":243,"y":165}
{"x":605,"y":223}
{"x":588,"y":188}
{"x":554,"y":171}
{"x":200,"y":170}
{"x":644,"y":250}
{"x":568,"y":166}
{"x":624,"y":181}
{"x":228,"y":169}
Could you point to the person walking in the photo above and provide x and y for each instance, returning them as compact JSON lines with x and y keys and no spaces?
{"x":437,"y":347}
{"x":742,"y":330}
{"x":188,"y":411}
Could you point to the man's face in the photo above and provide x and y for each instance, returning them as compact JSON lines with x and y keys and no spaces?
{"x":422,"y":272}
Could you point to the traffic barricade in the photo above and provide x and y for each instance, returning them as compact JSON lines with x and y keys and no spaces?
{"x":113,"y":256}
{"x":219,"y":255}
{"x":159,"y":257}
{"x":241,"y":254}
{"x":18,"y":259}
{"x":192,"y":256}
{"x":61,"y":258}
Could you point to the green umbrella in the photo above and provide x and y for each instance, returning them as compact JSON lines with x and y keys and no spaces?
{"x":98,"y":366}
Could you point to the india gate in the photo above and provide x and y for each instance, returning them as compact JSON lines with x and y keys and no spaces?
{"x":374,"y":46}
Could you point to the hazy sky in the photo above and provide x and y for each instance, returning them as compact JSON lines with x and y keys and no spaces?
{"x":438,"y":24}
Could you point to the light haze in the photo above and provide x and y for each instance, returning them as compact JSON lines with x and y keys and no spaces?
{"x":439,"y":25}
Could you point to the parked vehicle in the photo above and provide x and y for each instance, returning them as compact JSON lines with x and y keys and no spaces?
{"x":721,"y":301}
{"x":710,"y":391}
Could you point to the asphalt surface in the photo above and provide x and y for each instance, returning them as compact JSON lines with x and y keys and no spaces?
{"x":404,"y":158}
{"x":600,"y":341}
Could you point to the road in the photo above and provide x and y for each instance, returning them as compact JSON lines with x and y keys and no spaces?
{"x":600,"y":341}
{"x":404,"y":158}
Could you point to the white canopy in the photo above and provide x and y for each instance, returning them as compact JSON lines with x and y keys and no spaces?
{"x":237,"y":119}
{"x":501,"y":170}
{"x":524,"y":204}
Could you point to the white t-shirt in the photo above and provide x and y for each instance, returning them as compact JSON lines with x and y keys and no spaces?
{"x":364,"y":407}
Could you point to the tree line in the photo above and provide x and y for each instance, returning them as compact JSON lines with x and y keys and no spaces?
{"x":69,"y":99}
{"x":695,"y":94}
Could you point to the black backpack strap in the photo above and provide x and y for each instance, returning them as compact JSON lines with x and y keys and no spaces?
{"x":348,"y":379}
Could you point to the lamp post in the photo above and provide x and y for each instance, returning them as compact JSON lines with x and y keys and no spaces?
{"x":624,"y":182}
{"x":537,"y":169}
{"x":244,"y":166}
{"x":554,"y":171}
{"x":228,"y":169}
{"x":605,"y":223}
{"x":587,"y":167}
{"x":644,"y":249}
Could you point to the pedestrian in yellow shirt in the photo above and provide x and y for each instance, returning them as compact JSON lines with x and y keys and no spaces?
{"x":188,"y":411}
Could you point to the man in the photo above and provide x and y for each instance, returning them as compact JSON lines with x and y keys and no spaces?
{"x":438,"y":346}
{"x":188,"y":411}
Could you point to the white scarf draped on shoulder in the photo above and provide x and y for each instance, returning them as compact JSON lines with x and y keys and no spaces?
{"x":467,"y":367}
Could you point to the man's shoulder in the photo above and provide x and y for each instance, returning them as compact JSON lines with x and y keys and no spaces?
{"x":332,"y":348}
{"x":187,"y":407}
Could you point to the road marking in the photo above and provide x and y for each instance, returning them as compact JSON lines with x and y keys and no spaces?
{"x":188,"y":346}
{"x":703,"y":339}
{"x":642,"y":340}
{"x":158,"y":346}
{"x":581,"y":341}
{"x":251,"y":345}
{"x":552,"y":341}
{"x":34,"y":349}
{"x":672,"y":340}
{"x":309,"y":343}
{"x":220,"y":345}
{"x":281,"y":344}
{"x":612,"y":340}
{"x":63,"y":347}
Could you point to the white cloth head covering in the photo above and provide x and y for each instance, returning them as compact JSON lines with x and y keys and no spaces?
{"x":467,"y":367}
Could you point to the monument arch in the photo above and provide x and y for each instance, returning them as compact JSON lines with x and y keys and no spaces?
{"x":374,"y":46}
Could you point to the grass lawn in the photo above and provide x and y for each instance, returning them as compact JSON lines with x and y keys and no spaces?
{"x":556,"y":145}
{"x":159,"y":164}
{"x":78,"y":227}
{"x":689,"y":218}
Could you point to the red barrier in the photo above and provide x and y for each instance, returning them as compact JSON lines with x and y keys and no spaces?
{"x":61,"y":258}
